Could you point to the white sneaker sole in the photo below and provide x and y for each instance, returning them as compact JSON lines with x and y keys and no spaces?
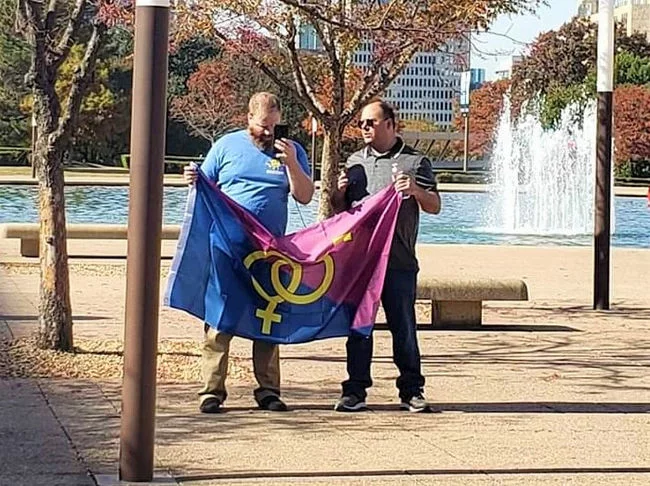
{"x":406,"y":406}
{"x":344,"y":408}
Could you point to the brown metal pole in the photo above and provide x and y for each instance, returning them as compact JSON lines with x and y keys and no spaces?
{"x":33,"y":147}
{"x":602,"y":231}
{"x":148,"y":121}
{"x":603,"y":196}
{"x":466,"y":143}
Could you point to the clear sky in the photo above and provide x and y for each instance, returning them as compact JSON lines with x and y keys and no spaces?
{"x":509,"y":35}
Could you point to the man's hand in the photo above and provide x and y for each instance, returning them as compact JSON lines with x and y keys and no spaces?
{"x":405,"y":184}
{"x":190,"y":174}
{"x":343,"y":181}
{"x":286,"y":151}
{"x":429,"y":201}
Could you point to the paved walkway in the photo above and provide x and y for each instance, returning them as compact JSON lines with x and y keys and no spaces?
{"x":548,"y":392}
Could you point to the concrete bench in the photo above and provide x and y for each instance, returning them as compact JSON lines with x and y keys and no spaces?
{"x":458,"y":302}
{"x":29,"y":234}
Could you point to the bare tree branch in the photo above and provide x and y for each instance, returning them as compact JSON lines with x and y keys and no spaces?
{"x":30,"y":13}
{"x":323,"y":13}
{"x":50,"y":16}
{"x":60,"y":53}
{"x":80,"y":82}
{"x":336,"y":67}
{"x":272,"y":75}
{"x":302,"y":83}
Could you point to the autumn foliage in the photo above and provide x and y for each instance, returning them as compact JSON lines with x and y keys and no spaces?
{"x":632,"y":123}
{"x":212,"y":105}
{"x":486,"y":106}
{"x":324,"y":95}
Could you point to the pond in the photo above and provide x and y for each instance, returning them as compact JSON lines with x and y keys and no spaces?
{"x":464,"y":219}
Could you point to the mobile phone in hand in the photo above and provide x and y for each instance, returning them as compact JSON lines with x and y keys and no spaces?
{"x":280,"y":131}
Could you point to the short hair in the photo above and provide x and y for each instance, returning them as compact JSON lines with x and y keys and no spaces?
{"x":264,"y":101}
{"x":386,"y":108}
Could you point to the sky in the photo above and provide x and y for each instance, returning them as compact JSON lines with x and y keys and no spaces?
{"x":510,"y":34}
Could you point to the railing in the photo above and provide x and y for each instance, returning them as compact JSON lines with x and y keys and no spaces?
{"x":179,"y":160}
{"x":21,"y":154}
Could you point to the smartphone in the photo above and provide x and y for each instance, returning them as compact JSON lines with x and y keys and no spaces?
{"x":280,"y":131}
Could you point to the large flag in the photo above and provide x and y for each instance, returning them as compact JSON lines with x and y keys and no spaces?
{"x":323,"y":281}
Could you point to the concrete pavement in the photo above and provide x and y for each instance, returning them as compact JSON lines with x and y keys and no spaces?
{"x":548,"y":392}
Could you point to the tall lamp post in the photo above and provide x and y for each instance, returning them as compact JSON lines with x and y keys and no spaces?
{"x":465,"y":83}
{"x":33,"y":145}
{"x":603,"y":196}
{"x":314,"y":129}
{"x":148,"y":120}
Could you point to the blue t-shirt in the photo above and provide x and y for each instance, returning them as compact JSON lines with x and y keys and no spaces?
{"x":253,"y":178}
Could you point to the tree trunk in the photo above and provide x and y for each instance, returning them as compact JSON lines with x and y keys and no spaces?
{"x":55,"y":312}
{"x":330,"y":167}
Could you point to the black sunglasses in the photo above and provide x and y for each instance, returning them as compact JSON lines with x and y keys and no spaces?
{"x":369,"y":123}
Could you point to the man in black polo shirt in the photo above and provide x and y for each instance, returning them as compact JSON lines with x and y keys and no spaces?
{"x":386,"y":159}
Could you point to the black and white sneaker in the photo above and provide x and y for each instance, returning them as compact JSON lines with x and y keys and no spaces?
{"x":416,"y":404}
{"x":350,"y":403}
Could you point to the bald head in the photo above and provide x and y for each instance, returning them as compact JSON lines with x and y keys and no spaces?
{"x":378,"y":126}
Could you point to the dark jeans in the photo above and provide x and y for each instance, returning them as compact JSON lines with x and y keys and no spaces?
{"x":398,"y":300}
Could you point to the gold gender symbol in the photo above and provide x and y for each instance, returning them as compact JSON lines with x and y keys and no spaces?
{"x":288,"y":293}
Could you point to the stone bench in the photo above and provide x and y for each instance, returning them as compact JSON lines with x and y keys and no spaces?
{"x":28,"y":233}
{"x":458,"y":302}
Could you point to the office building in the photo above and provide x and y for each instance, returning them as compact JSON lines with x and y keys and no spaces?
{"x":633,"y":14}
{"x":426,"y":88}
{"x":504,"y":71}
{"x":477,"y":78}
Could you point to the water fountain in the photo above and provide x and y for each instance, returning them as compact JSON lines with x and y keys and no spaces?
{"x":544,"y":178}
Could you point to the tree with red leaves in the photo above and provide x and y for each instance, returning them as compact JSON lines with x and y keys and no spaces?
{"x":486,"y":107}
{"x":632,"y":124}
{"x":212,"y":105}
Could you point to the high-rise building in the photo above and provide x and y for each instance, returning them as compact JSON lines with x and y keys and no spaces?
{"x":307,"y":38}
{"x":477,"y":78}
{"x":633,"y":14}
{"x":504,"y":71}
{"x":426,"y":88}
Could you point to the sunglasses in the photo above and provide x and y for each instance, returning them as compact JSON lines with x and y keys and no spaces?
{"x":369,"y":123}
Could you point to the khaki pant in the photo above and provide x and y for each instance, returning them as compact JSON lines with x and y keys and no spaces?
{"x":266,"y":365}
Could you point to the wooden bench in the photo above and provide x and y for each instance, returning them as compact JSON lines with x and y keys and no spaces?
{"x":29,"y":234}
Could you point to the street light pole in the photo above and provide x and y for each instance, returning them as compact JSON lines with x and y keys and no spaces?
{"x":466,"y":142}
{"x":33,"y":147}
{"x":148,"y":121}
{"x":314,"y":129}
{"x":603,"y":196}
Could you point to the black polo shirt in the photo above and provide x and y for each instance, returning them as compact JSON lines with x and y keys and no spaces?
{"x":369,"y":172}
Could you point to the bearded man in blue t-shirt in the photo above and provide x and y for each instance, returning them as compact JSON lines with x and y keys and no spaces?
{"x":258,"y":172}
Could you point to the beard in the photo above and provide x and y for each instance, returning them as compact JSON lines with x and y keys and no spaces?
{"x":262,"y":142}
